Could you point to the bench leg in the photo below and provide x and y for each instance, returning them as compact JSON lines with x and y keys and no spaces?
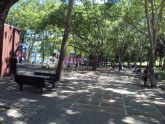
{"x":41,"y":90}
{"x":53,"y":85}
{"x":20,"y":87}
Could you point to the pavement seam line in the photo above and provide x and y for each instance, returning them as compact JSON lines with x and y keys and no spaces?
{"x":101,"y":100}
{"x":101,"y":106}
{"x":97,"y":111}
{"x":159,"y":112}
{"x":124,"y":105}
{"x":77,"y":99}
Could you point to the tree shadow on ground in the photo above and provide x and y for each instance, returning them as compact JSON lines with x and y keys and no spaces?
{"x":86,"y":98}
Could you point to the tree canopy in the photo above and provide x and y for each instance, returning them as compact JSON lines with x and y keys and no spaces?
{"x":115,"y":29}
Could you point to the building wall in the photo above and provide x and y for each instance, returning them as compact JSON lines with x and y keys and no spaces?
{"x":10,"y":44}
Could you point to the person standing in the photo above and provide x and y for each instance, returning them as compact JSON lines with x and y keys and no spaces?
{"x":145,"y":76}
{"x":120,"y":67}
{"x":13,"y":67}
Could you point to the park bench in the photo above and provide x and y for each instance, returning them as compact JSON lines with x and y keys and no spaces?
{"x":52,"y":77}
{"x":34,"y":80}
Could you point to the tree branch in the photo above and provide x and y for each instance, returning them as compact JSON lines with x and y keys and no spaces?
{"x":160,"y":15}
{"x":135,"y":27}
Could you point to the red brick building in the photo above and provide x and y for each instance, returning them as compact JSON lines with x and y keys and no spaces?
{"x":8,"y":48}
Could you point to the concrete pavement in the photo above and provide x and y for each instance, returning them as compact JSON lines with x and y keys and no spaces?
{"x":106,"y":97}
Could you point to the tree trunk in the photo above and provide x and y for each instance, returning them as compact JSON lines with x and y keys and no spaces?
{"x":153,"y":30}
{"x":30,"y":50}
{"x":160,"y":61}
{"x":140,"y":62}
{"x":43,"y":51}
{"x":141,"y":55}
{"x":128,"y":62}
{"x":94,"y":62}
{"x":43,"y":56}
{"x":151,"y":40}
{"x":1,"y":40}
{"x":65,"y":38}
{"x":163,"y":67}
{"x":5,"y":5}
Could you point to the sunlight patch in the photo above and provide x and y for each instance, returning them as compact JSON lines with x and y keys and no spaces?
{"x":75,"y":83}
{"x":56,"y":95}
{"x":1,"y":119}
{"x":146,"y":104}
{"x":123,"y":81}
{"x":119,"y":91}
{"x":129,"y":120}
{"x":159,"y":98}
{"x":25,"y":100}
{"x":112,"y":101}
{"x":160,"y":103}
{"x":19,"y":122}
{"x":141,"y":97}
{"x":53,"y":94}
{"x":14,"y":113}
{"x":67,"y":91}
{"x":71,"y":112}
{"x":80,"y":91}
{"x":72,"y":78}
{"x":111,"y":121}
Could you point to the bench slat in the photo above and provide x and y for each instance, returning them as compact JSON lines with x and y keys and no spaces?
{"x":52,"y":77}
{"x":34,"y":80}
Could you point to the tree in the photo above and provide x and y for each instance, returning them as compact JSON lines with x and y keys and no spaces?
{"x":65,"y":38}
{"x":160,"y":50}
{"x":153,"y":25}
{"x":5,"y":5}
{"x":33,"y":31}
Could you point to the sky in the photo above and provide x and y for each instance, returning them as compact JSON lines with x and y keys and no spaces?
{"x":100,"y":1}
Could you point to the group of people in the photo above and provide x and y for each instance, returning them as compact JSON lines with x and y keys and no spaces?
{"x":69,"y":61}
{"x":76,"y":62}
{"x":145,"y":75}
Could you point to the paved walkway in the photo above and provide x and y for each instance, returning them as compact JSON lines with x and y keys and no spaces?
{"x":83,"y":98}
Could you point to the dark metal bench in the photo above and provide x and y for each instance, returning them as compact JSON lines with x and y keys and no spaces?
{"x":52,"y":77}
{"x":34,"y":80}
